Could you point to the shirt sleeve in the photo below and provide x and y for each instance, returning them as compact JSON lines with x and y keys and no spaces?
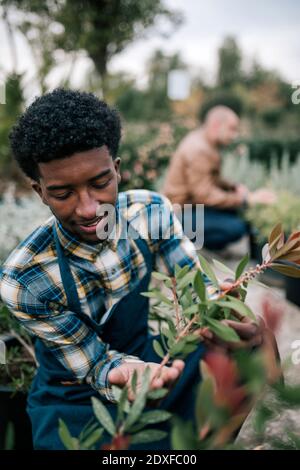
{"x":77,"y":347}
{"x":203,"y":188}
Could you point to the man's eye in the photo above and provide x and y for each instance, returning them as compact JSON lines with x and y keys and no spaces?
{"x":101,"y":185}
{"x":62,"y":196}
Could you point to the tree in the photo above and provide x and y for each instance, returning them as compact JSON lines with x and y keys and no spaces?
{"x":102,"y":28}
{"x":230,"y":59}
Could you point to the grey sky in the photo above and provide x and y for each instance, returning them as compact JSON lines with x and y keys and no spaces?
{"x":267,"y":30}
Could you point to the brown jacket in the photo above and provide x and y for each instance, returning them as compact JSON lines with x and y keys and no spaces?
{"x":194,"y":175}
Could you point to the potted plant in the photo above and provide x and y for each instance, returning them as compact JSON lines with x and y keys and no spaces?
{"x":16,"y":372}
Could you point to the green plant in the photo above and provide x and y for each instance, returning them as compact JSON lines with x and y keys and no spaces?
{"x":230,"y":385}
{"x":18,"y":371}
{"x":264,"y":217}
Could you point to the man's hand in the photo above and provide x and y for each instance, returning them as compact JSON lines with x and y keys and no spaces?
{"x":250,"y":333}
{"x":122,"y":375}
{"x":262,"y":196}
{"x":242,"y":190}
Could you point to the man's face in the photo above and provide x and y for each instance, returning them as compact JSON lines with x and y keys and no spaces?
{"x":228,"y":130}
{"x":76,"y":187}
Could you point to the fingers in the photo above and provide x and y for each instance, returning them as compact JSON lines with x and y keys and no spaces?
{"x":227,"y":285}
{"x":118,"y":376}
{"x":167,"y":375}
{"x":244,"y":330}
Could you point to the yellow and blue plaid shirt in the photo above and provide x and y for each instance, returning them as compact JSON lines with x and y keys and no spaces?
{"x":31,"y":284}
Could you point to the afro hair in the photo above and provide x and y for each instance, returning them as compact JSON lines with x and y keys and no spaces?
{"x":61,"y":123}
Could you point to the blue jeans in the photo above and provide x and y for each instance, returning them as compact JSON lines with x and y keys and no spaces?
{"x":221,"y":227}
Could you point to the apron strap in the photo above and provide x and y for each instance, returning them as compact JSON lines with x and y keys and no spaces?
{"x":70,"y":285}
{"x":67,"y":277}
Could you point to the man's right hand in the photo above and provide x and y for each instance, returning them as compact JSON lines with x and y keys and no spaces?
{"x":262,"y":196}
{"x":122,"y":375}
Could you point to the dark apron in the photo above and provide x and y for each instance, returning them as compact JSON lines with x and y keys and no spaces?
{"x":126,"y":330}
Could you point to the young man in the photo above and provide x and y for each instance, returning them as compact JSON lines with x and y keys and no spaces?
{"x":79,"y":295}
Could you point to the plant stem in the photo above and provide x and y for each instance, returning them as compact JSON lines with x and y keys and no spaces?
{"x":175,"y":302}
{"x":26,"y":346}
{"x":246,"y":277}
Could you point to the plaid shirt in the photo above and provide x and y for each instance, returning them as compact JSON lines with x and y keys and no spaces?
{"x":31,"y":284}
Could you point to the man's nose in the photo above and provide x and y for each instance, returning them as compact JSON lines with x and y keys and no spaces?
{"x":86,"y":207}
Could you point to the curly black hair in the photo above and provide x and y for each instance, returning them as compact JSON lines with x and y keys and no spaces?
{"x":61,"y":123}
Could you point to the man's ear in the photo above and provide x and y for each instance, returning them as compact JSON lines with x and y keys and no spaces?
{"x":38,"y":189}
{"x":117,"y":165}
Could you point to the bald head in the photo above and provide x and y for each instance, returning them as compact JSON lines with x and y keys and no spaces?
{"x":221,"y":125}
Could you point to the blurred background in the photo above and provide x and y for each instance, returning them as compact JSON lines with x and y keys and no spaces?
{"x":245,"y":56}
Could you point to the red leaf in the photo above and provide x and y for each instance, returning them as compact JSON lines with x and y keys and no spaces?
{"x":224,"y":370}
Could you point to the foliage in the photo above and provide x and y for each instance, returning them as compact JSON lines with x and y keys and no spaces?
{"x":102,"y":29}
{"x":18,"y":371}
{"x":130,"y":424}
{"x":280,"y":175}
{"x":145,"y":152}
{"x":229,"y":99}
{"x":230,"y":385}
{"x":8,"y":115}
{"x":230,"y":58}
{"x":264,"y":217}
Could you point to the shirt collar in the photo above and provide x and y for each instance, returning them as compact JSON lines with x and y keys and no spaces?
{"x":88,"y":251}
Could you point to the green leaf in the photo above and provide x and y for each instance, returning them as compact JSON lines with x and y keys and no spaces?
{"x":204,"y":401}
{"x":140,"y":401}
{"x":186,"y":280}
{"x":158,"y":348}
{"x":172,"y":327}
{"x":206,"y":268}
{"x":177,"y":348}
{"x":224,"y":269}
{"x":188,"y":349}
{"x":103,"y":416}
{"x":68,"y":441}
{"x":186,"y":440}
{"x":238,"y":305}
{"x":134,"y":381}
{"x":92,"y":439}
{"x":123,"y":402}
{"x":224,"y":332}
{"x":241,"y":266}
{"x":157,"y":394}
{"x":287,"y":270}
{"x":177,"y":269}
{"x":191,"y":310}
{"x":149,"y":435}
{"x":156,"y":416}
{"x":182,"y":272}
{"x":262,"y":416}
{"x":290,"y":394}
{"x":156,"y":294}
{"x":160,"y":276}
{"x":199,"y":286}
